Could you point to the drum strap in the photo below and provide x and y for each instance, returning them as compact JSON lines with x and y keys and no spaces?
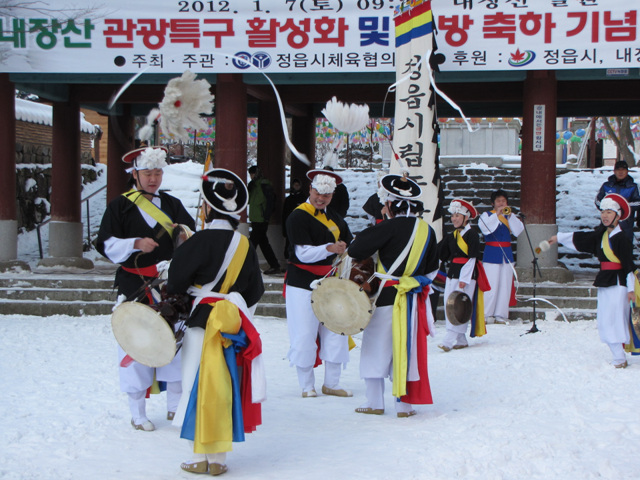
{"x":138,"y":199}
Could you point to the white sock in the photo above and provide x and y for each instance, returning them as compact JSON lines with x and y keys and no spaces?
{"x":137,"y":405}
{"x":174,"y":392}
{"x":374,"y":390}
{"x":306,"y":378}
{"x":332,"y":374}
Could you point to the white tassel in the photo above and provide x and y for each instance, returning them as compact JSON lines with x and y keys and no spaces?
{"x":185,"y":98}
{"x":146,"y":132}
{"x":346,"y":118}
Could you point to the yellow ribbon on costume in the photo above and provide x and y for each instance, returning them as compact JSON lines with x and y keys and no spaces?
{"x":606,"y":248}
{"x":214,"y":424}
{"x":631,"y":347}
{"x":503,"y":219}
{"x":462,"y":245}
{"x":147,"y":206}
{"x":322,"y":218}
{"x":481,"y":327}
{"x":399,"y":319}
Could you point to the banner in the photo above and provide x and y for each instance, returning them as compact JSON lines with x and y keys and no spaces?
{"x":310,"y":36}
{"x":537,"y":34}
{"x":213,"y":36}
{"x":414,"y":139}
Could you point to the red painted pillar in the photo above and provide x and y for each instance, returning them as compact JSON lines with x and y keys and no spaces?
{"x":66,"y":178}
{"x":538,"y":194}
{"x":538,"y":181}
{"x":8,"y":213}
{"x":65,"y":229}
{"x":8,"y":151}
{"x":231,"y":124}
{"x":119,"y":142}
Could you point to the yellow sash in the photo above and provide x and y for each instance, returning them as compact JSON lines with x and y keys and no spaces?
{"x":322,"y":218}
{"x":460,"y":241}
{"x":214,"y":423}
{"x":632,"y":347}
{"x":503,"y":219}
{"x":399,"y":320}
{"x":138,"y":198}
{"x":606,"y":248}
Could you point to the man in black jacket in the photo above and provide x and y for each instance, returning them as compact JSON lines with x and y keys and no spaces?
{"x":622,"y":184}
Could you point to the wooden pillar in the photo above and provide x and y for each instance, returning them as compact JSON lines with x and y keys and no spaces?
{"x":119,"y":142}
{"x":303,"y":136}
{"x":8,"y":209}
{"x":538,"y":180}
{"x":271,"y":152}
{"x":231,"y":124}
{"x":65,"y":228}
{"x":66,"y":178}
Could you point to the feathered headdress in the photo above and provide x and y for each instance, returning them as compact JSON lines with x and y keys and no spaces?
{"x":346,"y":118}
{"x":185,"y":98}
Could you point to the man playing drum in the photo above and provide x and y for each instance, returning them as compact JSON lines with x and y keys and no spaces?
{"x":394,"y":344}
{"x":317,"y":234}
{"x":223,"y":374}
{"x":136,"y":232}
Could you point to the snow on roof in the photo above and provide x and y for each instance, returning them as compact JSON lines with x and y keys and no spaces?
{"x":43,"y":114}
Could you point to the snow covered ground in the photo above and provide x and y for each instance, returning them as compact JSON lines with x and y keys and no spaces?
{"x":512,"y":406}
{"x":541,"y":406}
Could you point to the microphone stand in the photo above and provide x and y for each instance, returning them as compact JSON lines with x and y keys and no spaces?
{"x":536,"y":268}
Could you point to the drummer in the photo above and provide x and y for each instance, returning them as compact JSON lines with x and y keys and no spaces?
{"x":219,"y":268}
{"x":136,"y":232}
{"x":461,"y":250}
{"x":407,"y":260}
{"x":317,"y":235}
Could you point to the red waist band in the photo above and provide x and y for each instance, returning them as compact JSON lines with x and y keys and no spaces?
{"x":150,"y":271}
{"x":499,"y":244}
{"x":610,"y":266}
{"x":460,"y":260}
{"x":320,"y":270}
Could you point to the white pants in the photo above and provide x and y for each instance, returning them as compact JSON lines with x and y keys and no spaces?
{"x":304,"y":329}
{"x":456,"y":334}
{"x":613,"y":314}
{"x":496,"y":300}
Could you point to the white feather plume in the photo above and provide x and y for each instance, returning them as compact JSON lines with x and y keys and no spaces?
{"x":346,"y":118}
{"x":185,"y":98}
{"x":146,"y":132}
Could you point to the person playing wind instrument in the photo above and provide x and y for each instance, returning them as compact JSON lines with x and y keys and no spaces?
{"x":465,"y":273}
{"x":616,"y":282}
{"x":497,"y":226}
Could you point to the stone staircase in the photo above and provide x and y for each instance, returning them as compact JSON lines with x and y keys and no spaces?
{"x":91,"y":293}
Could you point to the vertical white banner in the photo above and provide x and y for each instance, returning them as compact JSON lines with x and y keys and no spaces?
{"x":414,"y":139}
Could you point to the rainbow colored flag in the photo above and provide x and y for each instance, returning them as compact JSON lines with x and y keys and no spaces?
{"x":414,"y":20}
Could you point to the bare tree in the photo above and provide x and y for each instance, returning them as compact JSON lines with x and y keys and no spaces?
{"x":620,"y":134}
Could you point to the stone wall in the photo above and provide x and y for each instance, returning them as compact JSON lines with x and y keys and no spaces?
{"x":33,"y":189}
{"x":33,"y":144}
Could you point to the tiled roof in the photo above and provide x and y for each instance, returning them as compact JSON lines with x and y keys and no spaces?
{"x":43,"y":114}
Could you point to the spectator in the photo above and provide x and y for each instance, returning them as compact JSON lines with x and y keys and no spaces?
{"x":261,"y":203}
{"x":622,"y":184}
{"x":295,"y":198}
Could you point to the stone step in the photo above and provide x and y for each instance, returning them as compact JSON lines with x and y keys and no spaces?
{"x":62,"y":294}
{"x":48,"y":308}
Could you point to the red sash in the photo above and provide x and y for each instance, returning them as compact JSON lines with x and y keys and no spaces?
{"x":499,"y":244}
{"x":610,"y":266}
{"x":460,"y":260}
{"x":150,"y":271}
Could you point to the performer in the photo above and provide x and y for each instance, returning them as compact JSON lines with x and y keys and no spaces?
{"x":497,"y":229}
{"x":615,"y":280}
{"x":317,"y":235}
{"x":461,"y":250}
{"x":222,"y":369}
{"x":373,"y":206}
{"x":136,"y":232}
{"x":394,"y":344}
